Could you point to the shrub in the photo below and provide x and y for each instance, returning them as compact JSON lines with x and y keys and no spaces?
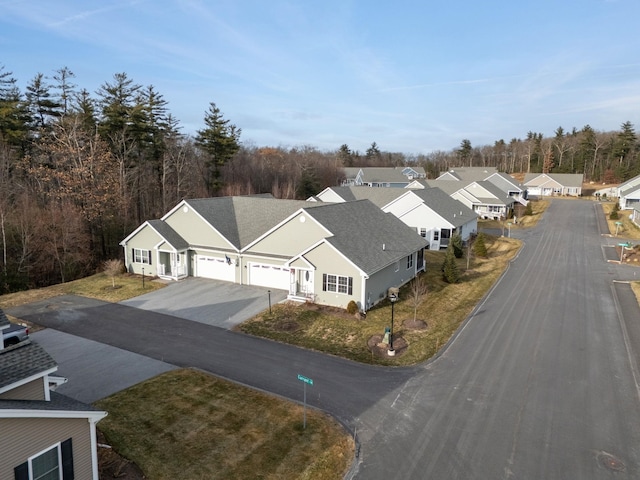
{"x":456,"y":242}
{"x":352,"y":308}
{"x":529,"y":209}
{"x":450,"y":271}
{"x":614,"y":212}
{"x":479,"y":247}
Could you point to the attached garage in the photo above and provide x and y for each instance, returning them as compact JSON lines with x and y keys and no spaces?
{"x":217,"y":268}
{"x":272,"y":276}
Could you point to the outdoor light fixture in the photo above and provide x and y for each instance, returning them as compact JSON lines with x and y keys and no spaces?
{"x":392,"y":298}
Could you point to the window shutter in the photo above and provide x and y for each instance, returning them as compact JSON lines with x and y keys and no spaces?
{"x":67,"y":460}
{"x":133,"y":255}
{"x":21,"y":472}
{"x":324,"y":282}
{"x":350,"y":286}
{"x":149,"y":257}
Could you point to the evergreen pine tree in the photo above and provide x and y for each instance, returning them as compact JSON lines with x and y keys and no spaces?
{"x":450,"y":271}
{"x":456,"y":242}
{"x":479,"y":247}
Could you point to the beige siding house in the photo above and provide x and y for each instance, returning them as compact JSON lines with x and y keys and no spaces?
{"x":42,"y":434}
{"x":326,"y":253}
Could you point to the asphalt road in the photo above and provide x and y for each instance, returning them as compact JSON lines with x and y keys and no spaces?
{"x":540,"y":382}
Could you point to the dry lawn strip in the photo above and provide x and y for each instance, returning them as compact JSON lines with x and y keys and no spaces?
{"x":444,"y":309}
{"x":190,"y":425}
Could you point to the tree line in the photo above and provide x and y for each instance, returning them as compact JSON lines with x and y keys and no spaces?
{"x":80,"y":170}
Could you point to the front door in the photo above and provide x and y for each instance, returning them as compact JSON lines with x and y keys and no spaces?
{"x":306,"y":282}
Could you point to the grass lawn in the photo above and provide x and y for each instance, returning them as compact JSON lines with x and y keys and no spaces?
{"x":99,"y":286}
{"x":628,"y":229}
{"x":443,"y":308}
{"x":190,"y":425}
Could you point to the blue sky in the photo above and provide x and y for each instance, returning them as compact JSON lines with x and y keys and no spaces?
{"x":412,"y":76}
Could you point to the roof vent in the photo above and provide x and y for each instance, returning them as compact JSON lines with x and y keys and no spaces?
{"x":384,"y":247}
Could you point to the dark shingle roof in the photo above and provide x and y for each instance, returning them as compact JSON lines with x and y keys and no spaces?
{"x":241,"y":220}
{"x":379,"y":196}
{"x":452,"y":210}
{"x":23,"y":360}
{"x":169,"y":234}
{"x":58,"y":402}
{"x":360,"y":230}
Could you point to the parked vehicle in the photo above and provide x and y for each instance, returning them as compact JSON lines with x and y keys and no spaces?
{"x":14,"y":334}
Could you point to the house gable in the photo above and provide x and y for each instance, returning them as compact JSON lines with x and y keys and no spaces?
{"x":195,"y":229}
{"x":289,"y":237}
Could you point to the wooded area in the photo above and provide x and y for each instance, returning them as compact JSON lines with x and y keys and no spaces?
{"x":79,"y":170}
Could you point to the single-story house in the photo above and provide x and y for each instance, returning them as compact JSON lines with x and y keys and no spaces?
{"x":635,"y":214}
{"x":382,"y":176}
{"x":629,"y":193}
{"x":431,"y":212}
{"x":483,"y":197}
{"x":328,"y":253}
{"x":42,"y":434}
{"x":554,"y":184}
{"x":467,"y":174}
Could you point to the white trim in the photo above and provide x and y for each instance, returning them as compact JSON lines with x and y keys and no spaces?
{"x":58,"y":450}
{"x":94,"y":448}
{"x":26,"y":380}
{"x":185,"y":202}
{"x":30,"y":413}
{"x":124,"y":242}
{"x":324,"y":240}
{"x":298,"y":212}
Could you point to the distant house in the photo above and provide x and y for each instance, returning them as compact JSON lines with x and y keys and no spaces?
{"x":467,"y":174}
{"x":382,"y":176}
{"x":431,"y":212}
{"x":629,"y":193}
{"x":635,"y":214}
{"x":486,"y":199}
{"x":43,"y":435}
{"x":328,"y":253}
{"x":554,"y":184}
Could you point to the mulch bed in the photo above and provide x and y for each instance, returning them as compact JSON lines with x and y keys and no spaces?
{"x":380,"y":349}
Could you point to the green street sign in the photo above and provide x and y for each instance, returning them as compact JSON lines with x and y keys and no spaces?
{"x":304,"y":379}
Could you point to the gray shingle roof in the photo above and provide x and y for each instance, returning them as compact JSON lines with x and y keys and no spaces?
{"x":378,"y":196}
{"x":58,"y":402}
{"x":564,"y":179}
{"x":23,"y":360}
{"x":169,"y":234}
{"x":471,"y":174}
{"x":360,"y":230}
{"x":452,"y":210}
{"x":241,"y":220}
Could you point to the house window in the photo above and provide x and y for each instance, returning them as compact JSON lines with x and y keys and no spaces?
{"x":409,"y":261}
{"x":445,"y":233}
{"x":423,"y":232}
{"x":141,"y":256}
{"x":46,"y":465}
{"x":55,"y":463}
{"x":436,"y":235}
{"x":337,"y":283}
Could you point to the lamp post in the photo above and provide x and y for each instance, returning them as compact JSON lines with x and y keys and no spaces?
{"x":143,"y":278}
{"x":622,"y":247}
{"x":391,"y":352}
{"x":617,"y":227}
{"x":269,"y":293}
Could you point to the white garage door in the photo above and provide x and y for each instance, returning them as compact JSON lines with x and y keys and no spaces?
{"x":215,"y":267}
{"x":269,"y":276}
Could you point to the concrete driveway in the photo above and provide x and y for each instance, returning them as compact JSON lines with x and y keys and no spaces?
{"x":213,"y":302}
{"x":95,"y":370}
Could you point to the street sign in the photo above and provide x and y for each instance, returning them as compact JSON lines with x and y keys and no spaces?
{"x":304,"y":379}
